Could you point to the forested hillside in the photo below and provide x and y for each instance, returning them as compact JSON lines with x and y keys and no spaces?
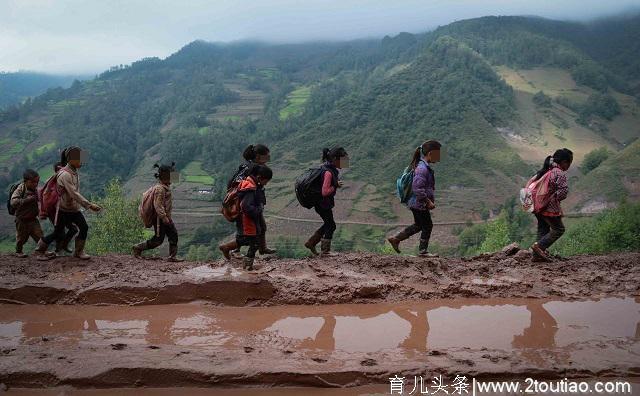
{"x":17,"y":87}
{"x":499,"y":92}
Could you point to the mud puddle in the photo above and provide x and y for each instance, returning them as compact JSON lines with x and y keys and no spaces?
{"x":526,"y":325}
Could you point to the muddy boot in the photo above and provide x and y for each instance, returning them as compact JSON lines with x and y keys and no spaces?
{"x":312,"y":242}
{"x":263,"y":249}
{"x":78,"y":252}
{"x":539,"y":254}
{"x":325,"y":248}
{"x":138,"y":249}
{"x":396,"y":239}
{"x":423,"y":249}
{"x":20,"y":254}
{"x":247,"y":263}
{"x":173,"y":251}
{"x":63,"y":246}
{"x":227,"y":248}
{"x":41,"y":251}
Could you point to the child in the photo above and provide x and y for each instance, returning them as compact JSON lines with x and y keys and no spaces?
{"x":24,"y":201}
{"x":70,"y":202}
{"x":550,"y":226}
{"x":334,"y":159}
{"x":422,"y":200}
{"x":62,"y":245}
{"x":163,"y":225}
{"x":248,"y":225}
{"x":254,"y":154}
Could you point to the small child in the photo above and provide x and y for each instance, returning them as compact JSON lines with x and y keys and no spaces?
{"x":252,"y":201}
{"x":163,"y":225}
{"x":24,"y":201}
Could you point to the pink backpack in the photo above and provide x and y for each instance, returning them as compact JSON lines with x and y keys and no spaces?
{"x":535,"y":196}
{"x":49,"y":197}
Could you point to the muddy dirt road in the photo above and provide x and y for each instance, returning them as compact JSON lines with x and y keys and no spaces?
{"x":353,"y":321}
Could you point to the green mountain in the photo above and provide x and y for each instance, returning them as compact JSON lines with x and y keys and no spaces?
{"x":500,"y":93}
{"x":17,"y":87}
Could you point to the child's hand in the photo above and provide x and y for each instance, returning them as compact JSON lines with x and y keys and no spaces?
{"x":167,"y":221}
{"x":430,"y":205}
{"x":95,"y":208}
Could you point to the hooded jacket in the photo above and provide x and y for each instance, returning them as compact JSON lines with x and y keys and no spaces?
{"x":252,"y":200}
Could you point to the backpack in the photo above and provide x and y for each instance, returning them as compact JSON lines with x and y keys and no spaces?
{"x":146,"y":210}
{"x":403,"y":185}
{"x":308,"y":187}
{"x":536,"y":194}
{"x":12,"y":189}
{"x":231,"y":203}
{"x":49,"y":196}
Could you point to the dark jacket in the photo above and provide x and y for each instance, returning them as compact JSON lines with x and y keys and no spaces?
{"x":252,"y":198}
{"x":241,"y":173}
{"x":423,"y":187}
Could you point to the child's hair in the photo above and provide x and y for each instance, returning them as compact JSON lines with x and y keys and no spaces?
{"x":164,"y":171}
{"x":423,"y":150}
{"x":333,"y":154}
{"x":560,"y":155}
{"x":252,"y":151}
{"x":29,"y":174}
{"x":262,"y":171}
{"x":66,"y":154}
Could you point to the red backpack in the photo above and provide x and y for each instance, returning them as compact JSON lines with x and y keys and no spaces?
{"x":535,"y":195}
{"x":49,"y":196}
{"x":231,"y":203}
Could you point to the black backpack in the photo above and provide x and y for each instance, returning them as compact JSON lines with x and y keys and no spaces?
{"x":309,"y":187}
{"x":10,"y":208}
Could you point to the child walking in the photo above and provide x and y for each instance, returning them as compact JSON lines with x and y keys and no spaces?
{"x":550,"y":226}
{"x":24,"y":202}
{"x":253,"y":154}
{"x":68,"y":212}
{"x":162,"y":222}
{"x":248,"y":226}
{"x":334,"y":159}
{"x":422,"y":200}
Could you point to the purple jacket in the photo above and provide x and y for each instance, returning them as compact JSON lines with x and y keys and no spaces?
{"x":423,"y":187}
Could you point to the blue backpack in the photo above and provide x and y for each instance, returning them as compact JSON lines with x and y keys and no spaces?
{"x":403,"y":185}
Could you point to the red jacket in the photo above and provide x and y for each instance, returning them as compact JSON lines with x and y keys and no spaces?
{"x":252,"y":199}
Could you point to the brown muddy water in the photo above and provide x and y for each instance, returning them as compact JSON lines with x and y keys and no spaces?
{"x":506,"y":324}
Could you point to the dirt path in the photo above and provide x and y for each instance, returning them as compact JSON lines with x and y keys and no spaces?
{"x":348,"y":278}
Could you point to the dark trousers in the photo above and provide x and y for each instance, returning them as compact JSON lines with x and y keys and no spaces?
{"x":26,"y":229}
{"x":162,"y":230}
{"x":68,"y":220}
{"x":248,"y":240}
{"x":550,"y":228}
{"x":329,"y":226}
{"x":421,"y":224}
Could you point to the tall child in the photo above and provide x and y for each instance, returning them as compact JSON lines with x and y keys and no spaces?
{"x":70,"y":203}
{"x":550,"y":226}
{"x":334,"y":159}
{"x":163,"y":224}
{"x":24,"y":201}
{"x":252,"y":199}
{"x":253,"y":154}
{"x":422,"y":200}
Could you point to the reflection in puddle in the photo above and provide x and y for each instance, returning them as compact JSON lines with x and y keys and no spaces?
{"x":508,"y":324}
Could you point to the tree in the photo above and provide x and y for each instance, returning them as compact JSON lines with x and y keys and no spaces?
{"x":117,"y":227}
{"x":541,"y":99}
{"x":594,"y":158}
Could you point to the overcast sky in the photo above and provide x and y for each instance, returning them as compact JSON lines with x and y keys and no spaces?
{"x":88,"y":36}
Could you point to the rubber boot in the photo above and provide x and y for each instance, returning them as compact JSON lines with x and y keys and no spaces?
{"x":325,"y":248}
{"x":312,"y":242}
{"x":79,"y":250}
{"x":41,"y":251}
{"x":247,"y":263}
{"x":20,"y":253}
{"x":396,"y":239}
{"x":539,"y":254}
{"x":173,"y":251}
{"x":227,"y":248}
{"x":422,"y":248}
{"x":138,"y":249}
{"x":63,"y":246}
{"x":263,"y":249}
